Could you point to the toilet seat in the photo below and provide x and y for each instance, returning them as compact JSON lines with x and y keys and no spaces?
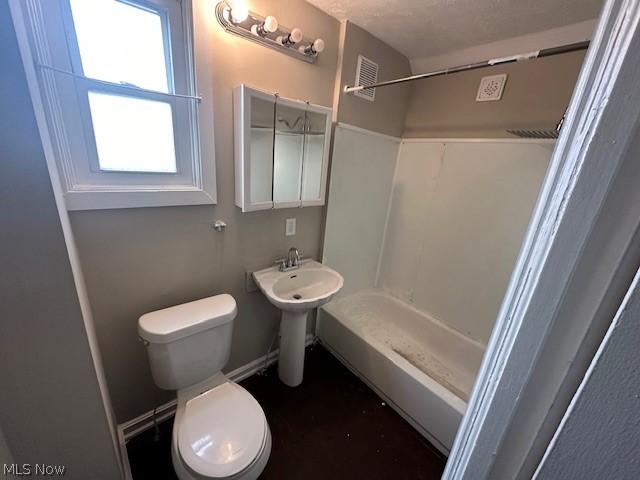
{"x":221,"y":432}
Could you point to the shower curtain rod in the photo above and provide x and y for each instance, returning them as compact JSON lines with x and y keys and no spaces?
{"x":547,"y":52}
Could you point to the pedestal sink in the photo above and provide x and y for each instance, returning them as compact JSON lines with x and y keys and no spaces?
{"x":296,"y":292}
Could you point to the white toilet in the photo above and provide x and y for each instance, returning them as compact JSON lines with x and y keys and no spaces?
{"x":220,"y":430}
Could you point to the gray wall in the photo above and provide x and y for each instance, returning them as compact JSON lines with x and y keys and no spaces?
{"x":600,"y":434}
{"x":535,"y":96}
{"x":51,"y":411}
{"x":138,"y":260}
{"x":387,"y":113}
{"x":6,"y":457}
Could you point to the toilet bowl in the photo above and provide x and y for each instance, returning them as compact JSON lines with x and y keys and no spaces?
{"x":219,"y":430}
{"x":221,"y":433}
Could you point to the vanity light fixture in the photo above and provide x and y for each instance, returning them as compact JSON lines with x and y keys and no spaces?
{"x":236,"y":18}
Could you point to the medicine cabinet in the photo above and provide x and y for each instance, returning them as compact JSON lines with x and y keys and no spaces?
{"x":281,"y":150}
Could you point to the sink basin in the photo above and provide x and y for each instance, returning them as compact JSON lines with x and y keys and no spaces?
{"x":295,"y":293}
{"x":310,"y":286}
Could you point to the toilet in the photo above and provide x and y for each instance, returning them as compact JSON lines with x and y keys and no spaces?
{"x":219,"y":431}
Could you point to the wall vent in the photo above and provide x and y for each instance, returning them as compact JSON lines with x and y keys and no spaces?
{"x":366,"y":74}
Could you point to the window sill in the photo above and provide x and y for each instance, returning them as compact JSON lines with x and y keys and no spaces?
{"x":136,"y":199}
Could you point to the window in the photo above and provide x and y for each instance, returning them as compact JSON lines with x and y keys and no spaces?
{"x":117,"y":83}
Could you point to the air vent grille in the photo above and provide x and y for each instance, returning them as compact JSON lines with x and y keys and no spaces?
{"x":366,"y":74}
{"x":491,"y":88}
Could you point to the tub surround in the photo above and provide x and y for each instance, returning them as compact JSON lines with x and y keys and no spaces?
{"x":458,"y":213}
{"x":437,"y":221}
{"x":354,"y":232}
{"x":434,"y":233}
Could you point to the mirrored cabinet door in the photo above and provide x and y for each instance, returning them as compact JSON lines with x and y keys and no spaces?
{"x":253,"y":113}
{"x":316,"y":155}
{"x":281,"y":150}
{"x":261,"y":154}
{"x":290,"y":121}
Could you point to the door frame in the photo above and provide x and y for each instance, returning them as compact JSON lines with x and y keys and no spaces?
{"x":601,"y":123}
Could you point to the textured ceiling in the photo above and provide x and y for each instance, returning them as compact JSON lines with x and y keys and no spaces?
{"x":424,"y":28}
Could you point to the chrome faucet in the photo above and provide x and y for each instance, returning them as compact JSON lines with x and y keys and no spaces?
{"x":293,"y":258}
{"x":291,"y":262}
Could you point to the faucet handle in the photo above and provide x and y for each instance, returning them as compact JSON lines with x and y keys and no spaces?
{"x":293,"y":257}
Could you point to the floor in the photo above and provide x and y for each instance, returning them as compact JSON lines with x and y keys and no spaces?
{"x":331,"y":427}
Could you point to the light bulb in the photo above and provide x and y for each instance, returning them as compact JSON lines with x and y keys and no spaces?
{"x":296,"y":35}
{"x":291,"y":39}
{"x":318,"y":45}
{"x":270,"y":24}
{"x":239,"y":11}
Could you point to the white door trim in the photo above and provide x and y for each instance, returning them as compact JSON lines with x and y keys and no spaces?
{"x":602,"y":118}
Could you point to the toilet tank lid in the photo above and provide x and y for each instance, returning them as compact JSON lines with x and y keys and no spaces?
{"x":173,"y":323}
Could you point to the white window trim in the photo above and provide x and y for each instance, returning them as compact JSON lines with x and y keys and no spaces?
{"x":197,"y":32}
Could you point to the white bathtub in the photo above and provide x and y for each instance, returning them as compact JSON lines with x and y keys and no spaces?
{"x":423,"y":368}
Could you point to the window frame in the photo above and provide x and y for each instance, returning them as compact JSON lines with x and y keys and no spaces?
{"x":44,"y":40}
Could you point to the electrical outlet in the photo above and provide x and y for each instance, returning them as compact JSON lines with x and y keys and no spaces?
{"x":290,"y":228}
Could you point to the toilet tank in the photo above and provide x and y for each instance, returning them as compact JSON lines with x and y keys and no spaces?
{"x":188,"y":343}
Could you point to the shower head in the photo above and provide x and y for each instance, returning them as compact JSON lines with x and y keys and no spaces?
{"x":522,"y":133}
{"x":525,"y":133}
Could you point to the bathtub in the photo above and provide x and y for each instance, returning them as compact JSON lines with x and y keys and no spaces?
{"x":424,"y":369}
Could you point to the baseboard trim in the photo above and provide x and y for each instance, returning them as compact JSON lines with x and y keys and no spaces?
{"x":126,"y":466}
{"x":135,"y":426}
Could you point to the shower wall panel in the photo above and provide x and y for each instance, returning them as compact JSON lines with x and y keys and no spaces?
{"x":459,"y":211}
{"x":362,"y":169}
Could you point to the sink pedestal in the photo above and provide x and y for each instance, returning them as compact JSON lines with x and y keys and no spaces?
{"x":296,"y":293}
{"x":293,"y":330}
